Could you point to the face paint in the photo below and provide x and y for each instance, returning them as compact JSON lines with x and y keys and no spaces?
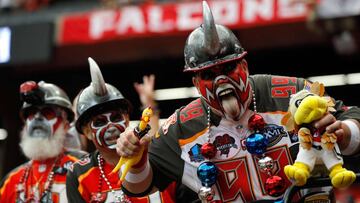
{"x":226,"y":88}
{"x":43,"y":122}
{"x":107,"y":128}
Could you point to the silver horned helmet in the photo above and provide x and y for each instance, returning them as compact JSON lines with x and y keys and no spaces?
{"x":210,"y":44}
{"x":98,"y":97}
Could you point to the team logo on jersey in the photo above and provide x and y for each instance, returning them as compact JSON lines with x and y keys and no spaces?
{"x":98,"y":197}
{"x":62,"y":170}
{"x":195,"y":153}
{"x":274,"y":133}
{"x":170,"y":121}
{"x":293,"y":137}
{"x":83,"y":161}
{"x":224,"y":143}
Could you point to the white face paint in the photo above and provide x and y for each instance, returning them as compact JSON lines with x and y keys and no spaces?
{"x":39,"y":126}
{"x":107,"y":128}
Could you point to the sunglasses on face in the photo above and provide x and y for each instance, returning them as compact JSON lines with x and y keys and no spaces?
{"x":223,"y":69}
{"x":48,"y":112}
{"x":103,"y":119}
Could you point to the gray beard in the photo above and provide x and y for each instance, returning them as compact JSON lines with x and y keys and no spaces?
{"x":41,"y":148}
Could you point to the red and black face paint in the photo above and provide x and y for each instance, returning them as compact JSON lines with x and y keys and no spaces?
{"x":107,"y":127}
{"x":228,"y":79}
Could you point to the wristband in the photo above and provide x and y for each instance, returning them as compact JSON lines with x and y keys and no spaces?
{"x":354,"y":138}
{"x":138,"y":177}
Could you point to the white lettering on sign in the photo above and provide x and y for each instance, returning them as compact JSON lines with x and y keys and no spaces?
{"x":165,"y":18}
{"x":189,"y":16}
{"x":226,"y":12}
{"x":101,"y":22}
{"x":289,"y":9}
{"x":156,"y":22}
{"x":131,"y":18}
{"x":253,"y":9}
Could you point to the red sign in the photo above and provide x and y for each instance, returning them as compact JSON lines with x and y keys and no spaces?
{"x":171,"y":18}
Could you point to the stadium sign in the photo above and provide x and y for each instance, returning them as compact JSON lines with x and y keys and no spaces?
{"x":172,"y":18}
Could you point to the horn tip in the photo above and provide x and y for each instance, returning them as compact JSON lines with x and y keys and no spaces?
{"x":205,"y":4}
{"x":91,"y":60}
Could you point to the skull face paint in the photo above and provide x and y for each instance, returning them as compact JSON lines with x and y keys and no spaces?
{"x":43,"y":122}
{"x":226,"y":88}
{"x":107,"y":127}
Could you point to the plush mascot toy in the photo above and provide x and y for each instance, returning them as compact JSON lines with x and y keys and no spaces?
{"x":315,"y":144}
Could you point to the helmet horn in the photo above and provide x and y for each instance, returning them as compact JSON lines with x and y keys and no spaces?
{"x":97,"y":80}
{"x":212,"y":42}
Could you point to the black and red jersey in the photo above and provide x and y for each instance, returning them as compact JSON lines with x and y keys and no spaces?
{"x":28,"y":181}
{"x":175,"y":150}
{"x":85,"y":184}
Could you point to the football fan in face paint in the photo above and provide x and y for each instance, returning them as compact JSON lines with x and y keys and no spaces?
{"x":103,"y":117}
{"x":236,"y":115}
{"x":103,"y":112}
{"x":46,"y":112}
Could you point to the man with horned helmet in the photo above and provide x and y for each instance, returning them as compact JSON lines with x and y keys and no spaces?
{"x":103,"y":114}
{"x":229,"y":144}
{"x":46,"y":112}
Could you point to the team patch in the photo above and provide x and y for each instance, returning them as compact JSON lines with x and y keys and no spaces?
{"x":85,"y":160}
{"x":293,"y":137}
{"x":274,"y":133}
{"x":224,"y":143}
{"x":170,"y":121}
{"x":195,"y":153}
{"x":62,"y":170}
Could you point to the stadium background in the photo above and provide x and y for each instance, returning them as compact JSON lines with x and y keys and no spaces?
{"x":38,"y":51}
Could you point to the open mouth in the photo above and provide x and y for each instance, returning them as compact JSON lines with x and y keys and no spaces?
{"x":38,"y":131}
{"x":225,"y":91}
{"x":111,"y":137}
{"x":228,"y":100}
{"x":38,"y":128}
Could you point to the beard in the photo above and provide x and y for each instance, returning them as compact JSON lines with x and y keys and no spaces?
{"x":41,"y":148}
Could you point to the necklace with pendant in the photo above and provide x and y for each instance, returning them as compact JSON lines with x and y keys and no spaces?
{"x":35,"y":195}
{"x":99,"y":196}
{"x":256,"y":144}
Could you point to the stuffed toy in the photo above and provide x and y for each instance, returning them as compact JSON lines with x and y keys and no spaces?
{"x":316,"y":145}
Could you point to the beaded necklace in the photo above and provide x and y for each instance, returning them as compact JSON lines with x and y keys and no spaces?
{"x":34,"y":196}
{"x":256,"y":144}
{"x":98,"y":197}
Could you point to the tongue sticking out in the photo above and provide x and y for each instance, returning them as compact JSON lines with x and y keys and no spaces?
{"x":231,"y":107}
